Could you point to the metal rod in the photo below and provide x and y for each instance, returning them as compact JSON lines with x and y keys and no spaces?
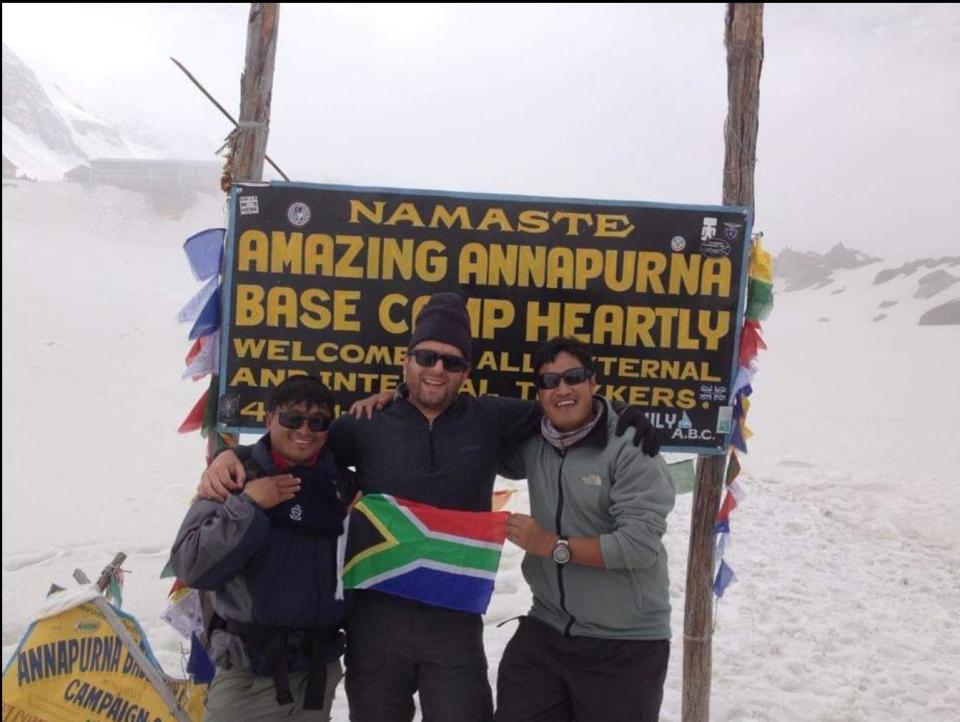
{"x":223,"y":110}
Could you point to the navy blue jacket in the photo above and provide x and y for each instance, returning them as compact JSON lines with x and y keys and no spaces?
{"x":275,"y":567}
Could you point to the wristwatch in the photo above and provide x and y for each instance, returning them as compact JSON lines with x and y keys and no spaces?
{"x":561,"y":551}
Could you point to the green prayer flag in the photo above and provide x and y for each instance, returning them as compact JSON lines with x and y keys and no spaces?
{"x":759,"y":299}
{"x":116,"y":592}
{"x":684,"y":476}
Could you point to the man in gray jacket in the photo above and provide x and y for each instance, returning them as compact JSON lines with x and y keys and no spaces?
{"x":596,"y":643}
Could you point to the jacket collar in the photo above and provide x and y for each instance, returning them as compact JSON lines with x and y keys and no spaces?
{"x":457,"y":406}
{"x":273,"y":463}
{"x":598,"y":435}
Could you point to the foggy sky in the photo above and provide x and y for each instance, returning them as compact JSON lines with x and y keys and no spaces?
{"x":859,"y":105}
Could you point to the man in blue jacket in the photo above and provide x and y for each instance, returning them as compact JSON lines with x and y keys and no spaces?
{"x":268,"y":554}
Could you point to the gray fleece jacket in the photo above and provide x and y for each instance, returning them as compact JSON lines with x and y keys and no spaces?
{"x":602,"y":486}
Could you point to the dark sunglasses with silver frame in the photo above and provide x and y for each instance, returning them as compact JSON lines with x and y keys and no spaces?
{"x":295,"y":419}
{"x":551,"y":380}
{"x":428,"y":359}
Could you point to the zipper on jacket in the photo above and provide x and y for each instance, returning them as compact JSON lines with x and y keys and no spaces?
{"x":433,"y":461}
{"x":563,"y":598}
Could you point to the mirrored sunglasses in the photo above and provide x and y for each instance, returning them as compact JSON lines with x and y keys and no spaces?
{"x":294,"y":420}
{"x":428,"y":359}
{"x":572,"y":377}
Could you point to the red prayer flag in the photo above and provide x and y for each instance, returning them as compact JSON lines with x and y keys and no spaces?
{"x":750,"y":342}
{"x":194,"y":419}
{"x":729,"y":504}
{"x":194,"y":351}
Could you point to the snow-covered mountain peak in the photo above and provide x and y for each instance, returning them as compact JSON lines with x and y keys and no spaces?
{"x":46,"y":132}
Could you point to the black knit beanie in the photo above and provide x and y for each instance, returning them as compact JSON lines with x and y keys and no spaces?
{"x":444,"y":318}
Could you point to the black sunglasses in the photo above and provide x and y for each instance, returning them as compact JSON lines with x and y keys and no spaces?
{"x":551,"y":380}
{"x":294,"y":420}
{"x":428,"y":359}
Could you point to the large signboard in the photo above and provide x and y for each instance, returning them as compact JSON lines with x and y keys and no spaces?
{"x":328,"y":280}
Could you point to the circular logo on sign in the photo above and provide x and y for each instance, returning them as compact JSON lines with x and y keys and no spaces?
{"x":678,"y":243}
{"x":298,"y":214}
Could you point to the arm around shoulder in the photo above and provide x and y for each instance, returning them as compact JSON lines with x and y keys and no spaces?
{"x":517,"y":419}
{"x":343,"y":439}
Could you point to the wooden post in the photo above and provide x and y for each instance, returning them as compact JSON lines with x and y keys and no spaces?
{"x":698,"y":606}
{"x":248,"y":142}
{"x":256,"y":88}
{"x":108,"y":571}
{"x":744,"y":41}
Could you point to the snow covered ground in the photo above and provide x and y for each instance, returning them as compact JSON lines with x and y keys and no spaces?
{"x":846,"y":547}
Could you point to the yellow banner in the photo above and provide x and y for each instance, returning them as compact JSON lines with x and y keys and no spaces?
{"x":73,"y":666}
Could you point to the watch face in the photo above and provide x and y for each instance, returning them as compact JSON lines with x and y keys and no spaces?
{"x":561,"y":553}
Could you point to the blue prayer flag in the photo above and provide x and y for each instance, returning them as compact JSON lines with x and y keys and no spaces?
{"x":204,"y":251}
{"x":199,"y":665}
{"x":725,"y":577}
{"x":191,"y":311}
{"x":209,"y":319}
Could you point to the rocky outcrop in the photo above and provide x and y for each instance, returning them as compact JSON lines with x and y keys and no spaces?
{"x":947,"y":314}
{"x":807,"y":269}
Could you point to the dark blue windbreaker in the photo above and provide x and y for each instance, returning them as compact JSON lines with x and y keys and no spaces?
{"x":275,"y":567}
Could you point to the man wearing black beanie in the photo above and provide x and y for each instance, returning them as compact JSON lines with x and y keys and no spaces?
{"x":444,"y":318}
{"x":442,"y":333}
{"x":437,"y":447}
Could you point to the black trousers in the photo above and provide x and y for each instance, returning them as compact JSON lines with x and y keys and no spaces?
{"x":547,"y":677}
{"x":397,"y":647}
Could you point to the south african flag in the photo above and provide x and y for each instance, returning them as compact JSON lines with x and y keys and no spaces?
{"x":437,"y":556}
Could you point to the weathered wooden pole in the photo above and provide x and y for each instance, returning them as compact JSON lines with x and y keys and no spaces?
{"x":256,"y":88}
{"x":248,"y":141}
{"x":744,"y":41}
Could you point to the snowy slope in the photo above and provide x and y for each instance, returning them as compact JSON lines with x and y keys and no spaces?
{"x":46,"y":133}
{"x":96,"y":136}
{"x":845,"y":547}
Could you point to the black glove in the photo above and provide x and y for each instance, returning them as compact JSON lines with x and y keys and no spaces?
{"x":645,"y":436}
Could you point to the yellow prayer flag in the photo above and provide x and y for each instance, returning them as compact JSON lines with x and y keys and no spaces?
{"x":761,"y":263}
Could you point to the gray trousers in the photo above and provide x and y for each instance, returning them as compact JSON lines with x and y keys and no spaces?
{"x":238,"y":696}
